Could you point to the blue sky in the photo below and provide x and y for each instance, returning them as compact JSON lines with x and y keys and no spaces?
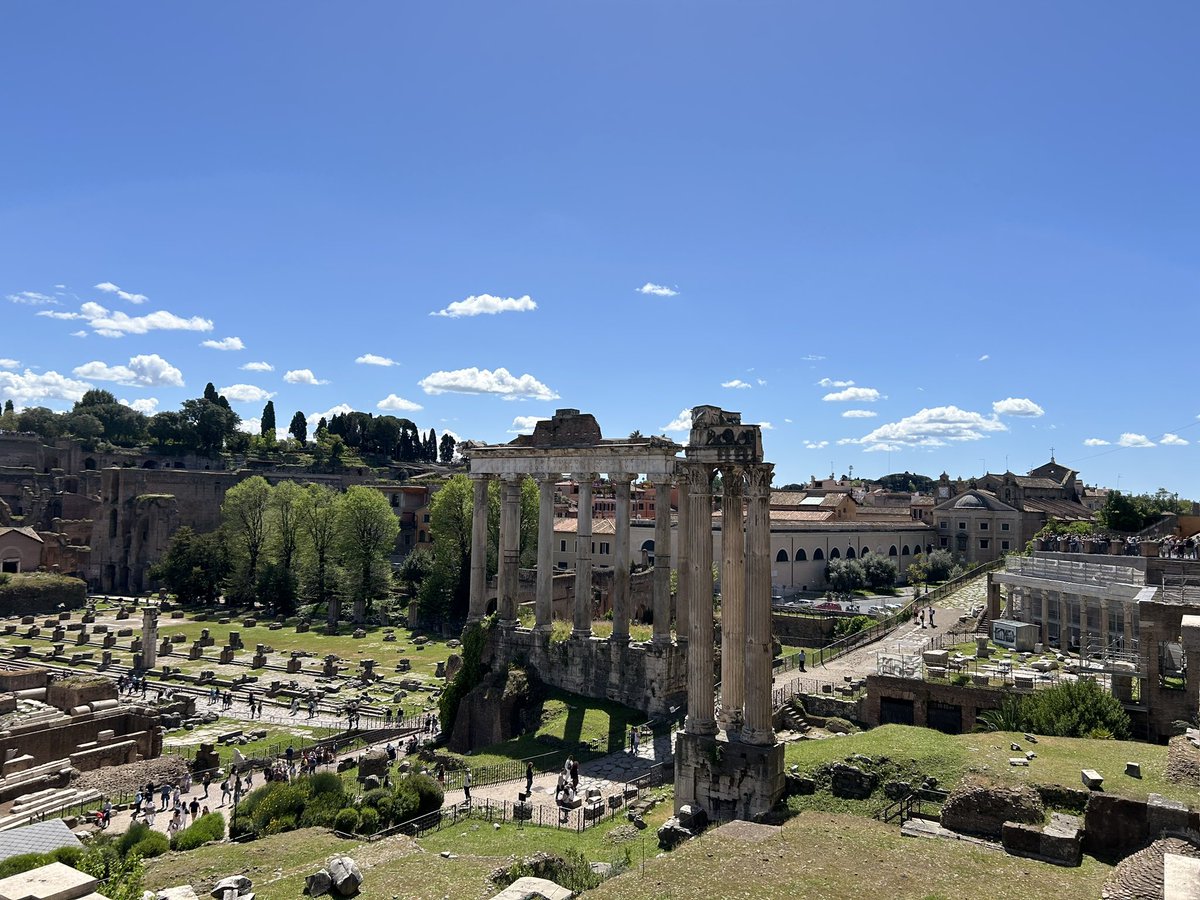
{"x":984,"y":218}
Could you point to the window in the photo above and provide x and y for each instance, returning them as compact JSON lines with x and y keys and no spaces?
{"x":833,"y":554}
{"x":1004,"y":526}
{"x":604,"y":548}
{"x":943,"y":524}
{"x":983,"y":526}
{"x":593,"y":548}
{"x":945,"y":542}
{"x":849,"y":553}
{"x":892,"y":550}
{"x":962,"y":526}
{"x":983,"y":543}
{"x":781,"y":556}
{"x":800,"y":555}
{"x":818,"y":555}
{"x":1004,"y":545}
{"x":562,"y":546}
{"x":425,"y":518}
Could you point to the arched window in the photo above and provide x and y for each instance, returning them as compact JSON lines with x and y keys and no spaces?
{"x":818,"y":555}
{"x":904,"y":551}
{"x":849,"y":553}
{"x":865,"y":551}
{"x":833,"y":554}
{"x":648,"y":546}
{"x":781,"y":556}
{"x":801,"y":556}
{"x":892,"y":550}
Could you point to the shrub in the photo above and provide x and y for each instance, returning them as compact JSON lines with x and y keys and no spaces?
{"x":368,"y":820}
{"x":321,"y":809}
{"x":346,"y":821}
{"x":15,"y":865}
{"x":205,"y":829}
{"x":326,"y":783}
{"x":281,"y":824}
{"x":136,"y":832}
{"x":407,"y":801}
{"x":1068,"y":709}
{"x":429,"y":793}
{"x":153,"y":844}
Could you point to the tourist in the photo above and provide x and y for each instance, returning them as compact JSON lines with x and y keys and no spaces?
{"x":165,"y":794}
{"x":206,"y":780}
{"x":224,"y":791}
{"x":137,"y":804}
{"x":312,"y":708}
{"x":149,"y":812}
{"x":633,"y":740}
{"x":295,"y":707}
{"x":194,"y":808}
{"x":186,"y":787}
{"x":441,"y":775}
{"x":528,"y":778}
{"x":205,"y":811}
{"x":573,"y":766}
{"x":467,"y":785}
{"x":931,"y":611}
{"x":802,"y":659}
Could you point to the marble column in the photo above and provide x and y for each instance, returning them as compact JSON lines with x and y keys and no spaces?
{"x":1127,"y":625}
{"x":621,"y":598}
{"x":1104,"y":624}
{"x":757,"y":728}
{"x":477,"y":606}
{"x":1082,"y":618}
{"x":683,"y":566}
{"x":510,"y":549}
{"x":700,"y":717}
{"x":544,"y":603}
{"x":662,"y":562}
{"x":1064,"y":624}
{"x":733,"y":601}
{"x":1044,"y":603}
{"x":583,"y":558}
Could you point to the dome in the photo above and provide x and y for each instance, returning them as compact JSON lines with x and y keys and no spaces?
{"x":969,"y":501}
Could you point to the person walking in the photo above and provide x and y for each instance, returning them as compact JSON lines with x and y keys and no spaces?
{"x":528,"y":778}
{"x":802,"y":660}
{"x":225,"y":792}
{"x":467,"y":786}
{"x":165,"y":794}
{"x":575,"y":775}
{"x":194,"y":809}
{"x":206,"y":780}
{"x":931,"y":611}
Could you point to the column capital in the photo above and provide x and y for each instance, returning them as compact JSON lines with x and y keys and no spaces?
{"x":583,"y":477}
{"x":698,"y":477}
{"x":479,"y":476}
{"x":548,"y":477}
{"x":512,"y":477}
{"x":733,"y":480}
{"x":758,"y":478}
{"x":622,"y":478}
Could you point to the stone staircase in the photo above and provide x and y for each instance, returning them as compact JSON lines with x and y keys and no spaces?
{"x":42,"y":804}
{"x":793,"y":717}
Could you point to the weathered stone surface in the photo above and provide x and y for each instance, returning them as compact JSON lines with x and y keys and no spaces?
{"x":344,"y":874}
{"x":373,"y":762}
{"x":1060,"y":842}
{"x":239,"y":883}
{"x":1141,"y":875}
{"x":851,"y":782}
{"x":976,"y":807}
{"x":671,"y":834}
{"x":317,"y":883}
{"x":497,"y":709}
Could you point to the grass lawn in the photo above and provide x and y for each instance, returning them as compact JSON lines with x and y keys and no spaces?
{"x":278,"y":737}
{"x":570,"y":724}
{"x":831,"y":856}
{"x":949,"y":757}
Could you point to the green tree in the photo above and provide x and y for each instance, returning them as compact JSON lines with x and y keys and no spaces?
{"x":285,"y":521}
{"x":8,"y":420}
{"x":845,"y":575}
{"x":45,"y":423}
{"x":122,"y":425}
{"x":267,"y":423}
{"x":415,"y":568}
{"x":194,"y":566}
{"x":1068,"y":709}
{"x":8,"y":407}
{"x":299,"y":428}
{"x":938,"y":565}
{"x":317,"y":510}
{"x":446,"y":590}
{"x":366,"y":536}
{"x":247,"y":527}
{"x":208,"y":423}
{"x":880,"y":571}
{"x":167,"y":429}
{"x":446,"y":448}
{"x":84,"y":426}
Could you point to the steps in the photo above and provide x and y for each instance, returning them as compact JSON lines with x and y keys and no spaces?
{"x":794,"y":717}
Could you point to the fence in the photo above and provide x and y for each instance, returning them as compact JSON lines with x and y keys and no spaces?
{"x":801,"y":685}
{"x":538,"y":815}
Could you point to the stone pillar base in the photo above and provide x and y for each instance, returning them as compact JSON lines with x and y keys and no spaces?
{"x":581,"y":634}
{"x":703,"y":729}
{"x":727,"y":779}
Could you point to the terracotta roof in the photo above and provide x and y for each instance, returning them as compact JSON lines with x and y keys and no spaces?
{"x":787,"y":498}
{"x":1058,"y":509}
{"x":923,"y":501}
{"x":25,"y":530}
{"x":1037,"y":481}
{"x":801,"y":515}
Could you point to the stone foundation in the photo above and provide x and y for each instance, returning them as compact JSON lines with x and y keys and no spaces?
{"x":727,"y":779}
{"x":648,"y":677}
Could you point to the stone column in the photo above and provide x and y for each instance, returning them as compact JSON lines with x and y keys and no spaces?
{"x":1082,"y":618}
{"x":621,"y":599}
{"x":1127,"y":624}
{"x":1064,"y":625}
{"x":700,"y":719}
{"x":510,"y":549}
{"x":662,"y":562}
{"x":544,"y":605}
{"x":149,"y":637}
{"x":757,"y":728}
{"x":583,"y":558}
{"x":477,"y":607}
{"x":733,"y":602}
{"x":683,"y":565}
{"x":1104,"y":624}
{"x":1044,"y":601}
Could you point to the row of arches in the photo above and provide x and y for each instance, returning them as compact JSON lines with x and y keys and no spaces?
{"x":818,"y":554}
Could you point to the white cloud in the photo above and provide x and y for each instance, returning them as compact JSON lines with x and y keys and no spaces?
{"x":302,"y":376}
{"x":762,"y":382}
{"x":393,"y":403}
{"x":985,"y":357}
{"x":486,"y":305}
{"x":856,"y":394}
{"x":859,"y":414}
{"x":9,"y":363}
{"x":658,"y":290}
{"x":525,"y":424}
{"x":32,"y":298}
{"x":682,"y":422}
{"x":29,"y":388}
{"x":765,"y":426}
{"x":1132,"y":439}
{"x":315,"y":417}
{"x":931,"y":427}
{"x":79,"y":334}
{"x":789,"y":421}
{"x":736,"y":383}
{"x":147,"y":370}
{"x":1095,"y":442}
{"x":229,"y":343}
{"x":1017,"y":406}
{"x":1172,"y":440}
{"x":147,"y":405}
{"x":815,"y":445}
{"x":811,"y":357}
{"x":109,"y":288}
{"x":829,"y":382}
{"x":258,"y":367}
{"x":118,"y":324}
{"x":246,"y":393}
{"x":370,"y":359}
{"x":486,"y":381}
